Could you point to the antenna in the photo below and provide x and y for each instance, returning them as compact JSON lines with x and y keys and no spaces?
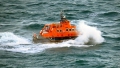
{"x":62,"y":14}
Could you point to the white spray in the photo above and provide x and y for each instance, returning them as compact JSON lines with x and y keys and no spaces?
{"x":88,"y":34}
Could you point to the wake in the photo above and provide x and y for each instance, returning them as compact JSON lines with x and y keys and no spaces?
{"x":8,"y":38}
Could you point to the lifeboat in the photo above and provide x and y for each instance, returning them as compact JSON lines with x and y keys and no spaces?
{"x":63,"y":30}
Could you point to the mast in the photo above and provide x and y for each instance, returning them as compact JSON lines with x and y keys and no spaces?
{"x":63,"y":19}
{"x":62,"y":14}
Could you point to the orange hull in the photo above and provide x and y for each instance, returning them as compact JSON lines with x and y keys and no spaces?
{"x":62,"y":30}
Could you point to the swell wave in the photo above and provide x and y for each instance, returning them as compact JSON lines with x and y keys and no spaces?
{"x":37,"y":4}
{"x":117,"y":38}
{"x":86,"y":11}
{"x":109,"y":14}
{"x":33,"y":26}
{"x":116,"y":48}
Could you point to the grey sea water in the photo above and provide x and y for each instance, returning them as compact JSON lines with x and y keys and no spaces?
{"x":19,"y":19}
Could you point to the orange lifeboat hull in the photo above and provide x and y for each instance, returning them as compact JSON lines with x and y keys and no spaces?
{"x":58,"y":31}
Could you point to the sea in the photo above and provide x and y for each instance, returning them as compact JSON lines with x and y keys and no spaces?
{"x":97,"y":46}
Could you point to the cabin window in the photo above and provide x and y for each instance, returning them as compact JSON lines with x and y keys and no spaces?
{"x":47,"y":28}
{"x":73,"y":29}
{"x":59,"y":30}
{"x":69,"y":29}
{"x":66,"y":29}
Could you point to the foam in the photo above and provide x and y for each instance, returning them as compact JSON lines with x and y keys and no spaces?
{"x":8,"y":38}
